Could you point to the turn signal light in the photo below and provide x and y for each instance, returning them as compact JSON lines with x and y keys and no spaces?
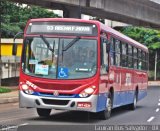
{"x":27,"y":89}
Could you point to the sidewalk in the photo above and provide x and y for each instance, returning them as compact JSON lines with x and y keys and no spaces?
{"x":12,"y":97}
{"x":153,"y":83}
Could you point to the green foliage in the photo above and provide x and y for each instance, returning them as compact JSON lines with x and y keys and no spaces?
{"x":148,"y":37}
{"x":9,"y":30}
{"x":14,"y":17}
{"x":4,"y":90}
{"x":151,"y":75}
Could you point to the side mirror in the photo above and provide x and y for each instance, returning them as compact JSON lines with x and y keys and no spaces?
{"x":14,"y":49}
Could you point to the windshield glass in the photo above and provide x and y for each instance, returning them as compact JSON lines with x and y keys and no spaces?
{"x":52,"y":58}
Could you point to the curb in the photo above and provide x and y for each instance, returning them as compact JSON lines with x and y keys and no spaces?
{"x":9,"y":100}
{"x":153,"y":84}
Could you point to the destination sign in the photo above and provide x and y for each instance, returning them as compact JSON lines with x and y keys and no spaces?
{"x":61,"y":28}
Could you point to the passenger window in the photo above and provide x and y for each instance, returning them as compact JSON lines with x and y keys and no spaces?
{"x":146,"y":61}
{"x":130,"y":57}
{"x":139,"y":59}
{"x":143,"y":60}
{"x":117,"y":46}
{"x":112,"y":51}
{"x":104,"y":56}
{"x":135,"y":58}
{"x":124,"y":55}
{"x":118,"y":51}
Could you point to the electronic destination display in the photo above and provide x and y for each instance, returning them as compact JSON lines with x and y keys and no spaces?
{"x":62,"y":28}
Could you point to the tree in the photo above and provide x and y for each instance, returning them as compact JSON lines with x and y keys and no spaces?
{"x":14,"y":17}
{"x":155,"y":40}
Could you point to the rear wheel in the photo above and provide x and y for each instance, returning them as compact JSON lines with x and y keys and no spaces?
{"x":43,"y":112}
{"x":104,"y":115}
{"x":134,"y":104}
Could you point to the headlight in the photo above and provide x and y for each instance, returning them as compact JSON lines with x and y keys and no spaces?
{"x":27,"y":89}
{"x":88,"y":91}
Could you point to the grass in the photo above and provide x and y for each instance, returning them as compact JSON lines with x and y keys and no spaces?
{"x":151,"y":75}
{"x":4,"y":90}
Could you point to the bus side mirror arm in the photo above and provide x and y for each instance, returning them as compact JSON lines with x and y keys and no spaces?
{"x":14,"y":49}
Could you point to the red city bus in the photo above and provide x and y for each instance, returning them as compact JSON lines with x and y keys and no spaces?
{"x":81,"y":65}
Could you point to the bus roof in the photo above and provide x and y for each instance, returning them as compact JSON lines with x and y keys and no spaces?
{"x":102,"y":27}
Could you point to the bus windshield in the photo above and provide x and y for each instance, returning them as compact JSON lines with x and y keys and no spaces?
{"x":59,"y":58}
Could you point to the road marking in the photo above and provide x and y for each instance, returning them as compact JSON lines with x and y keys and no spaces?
{"x":12,"y":127}
{"x":157,"y":110}
{"x":159,"y":99}
{"x":158,"y":104}
{"x":150,"y":119}
{"x":23,"y":124}
{"x":9,"y":128}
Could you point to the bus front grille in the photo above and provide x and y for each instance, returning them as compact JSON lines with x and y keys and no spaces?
{"x":55,"y":102}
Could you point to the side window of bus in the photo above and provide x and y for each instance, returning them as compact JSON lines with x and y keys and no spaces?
{"x":130,"y":56}
{"x":104,"y":56}
{"x":117,"y":52}
{"x":143,"y":60}
{"x":146,"y":61}
{"x":139,"y":59}
{"x":135,"y":55}
{"x":124,"y":55}
{"x":112,"y":51}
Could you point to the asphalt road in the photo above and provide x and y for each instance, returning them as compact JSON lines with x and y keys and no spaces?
{"x":147,"y":113}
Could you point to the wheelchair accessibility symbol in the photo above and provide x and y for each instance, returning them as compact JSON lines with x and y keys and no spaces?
{"x":62,"y":72}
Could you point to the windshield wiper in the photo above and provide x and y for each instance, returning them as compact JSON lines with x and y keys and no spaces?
{"x":47,"y":43}
{"x":71,"y":43}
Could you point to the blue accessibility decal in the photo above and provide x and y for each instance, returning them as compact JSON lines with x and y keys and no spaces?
{"x":62,"y":72}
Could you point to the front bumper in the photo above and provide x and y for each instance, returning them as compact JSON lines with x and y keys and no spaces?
{"x":33,"y":101}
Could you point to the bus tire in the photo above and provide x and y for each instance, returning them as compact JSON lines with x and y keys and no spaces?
{"x":43,"y":112}
{"x":104,"y":115}
{"x":134,"y":104}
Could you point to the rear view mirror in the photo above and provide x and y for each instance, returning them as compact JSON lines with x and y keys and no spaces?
{"x":14,"y":49}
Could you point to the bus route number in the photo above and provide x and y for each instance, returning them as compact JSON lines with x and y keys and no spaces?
{"x":50,"y":28}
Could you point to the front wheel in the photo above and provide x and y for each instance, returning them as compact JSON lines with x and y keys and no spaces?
{"x":43,"y":112}
{"x":104,"y":115}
